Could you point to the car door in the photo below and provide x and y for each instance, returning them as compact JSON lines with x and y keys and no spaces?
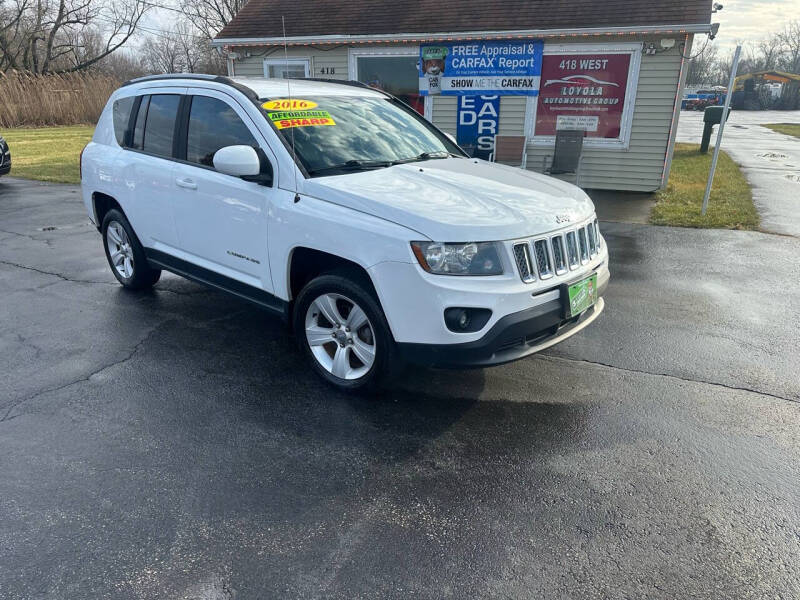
{"x":221,"y":220}
{"x":147,"y":167}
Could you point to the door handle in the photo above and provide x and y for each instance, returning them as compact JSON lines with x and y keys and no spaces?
{"x":187,"y":183}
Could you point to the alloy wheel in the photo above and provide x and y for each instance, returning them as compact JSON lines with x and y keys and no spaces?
{"x":120,"y":251}
{"x":340,"y":336}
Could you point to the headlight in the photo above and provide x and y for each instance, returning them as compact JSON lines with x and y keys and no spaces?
{"x":473,"y":258}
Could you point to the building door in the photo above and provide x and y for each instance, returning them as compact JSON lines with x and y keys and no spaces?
{"x":394,"y":70}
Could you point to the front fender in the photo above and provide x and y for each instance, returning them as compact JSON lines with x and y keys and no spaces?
{"x":363,"y":239}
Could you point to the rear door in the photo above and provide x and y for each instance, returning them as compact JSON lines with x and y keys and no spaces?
{"x":221,"y":220}
{"x":147,"y":167}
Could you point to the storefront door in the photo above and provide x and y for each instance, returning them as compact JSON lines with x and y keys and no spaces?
{"x":394,"y":71}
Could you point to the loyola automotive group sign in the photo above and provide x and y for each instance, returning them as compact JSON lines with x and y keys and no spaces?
{"x":583,"y":91}
{"x":474,"y":68}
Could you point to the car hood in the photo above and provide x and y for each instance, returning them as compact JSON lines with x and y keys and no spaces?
{"x":456,"y":199}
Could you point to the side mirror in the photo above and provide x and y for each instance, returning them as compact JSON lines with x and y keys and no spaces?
{"x":239,"y":161}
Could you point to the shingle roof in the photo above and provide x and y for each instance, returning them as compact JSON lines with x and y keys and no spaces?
{"x":262,"y":18}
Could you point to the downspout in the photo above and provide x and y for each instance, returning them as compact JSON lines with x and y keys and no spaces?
{"x":676,"y":111}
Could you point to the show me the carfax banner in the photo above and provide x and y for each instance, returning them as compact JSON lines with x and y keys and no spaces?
{"x":480,"y":68}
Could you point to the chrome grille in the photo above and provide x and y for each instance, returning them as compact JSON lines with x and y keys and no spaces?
{"x":558,"y":255}
{"x":542,"y":259}
{"x":584,"y":247}
{"x":597,"y":234}
{"x":572,"y":250}
{"x":522,"y":255}
{"x":592,"y":239}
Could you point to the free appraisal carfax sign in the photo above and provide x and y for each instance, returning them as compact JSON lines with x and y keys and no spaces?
{"x":475,"y":68}
{"x":583,"y":91}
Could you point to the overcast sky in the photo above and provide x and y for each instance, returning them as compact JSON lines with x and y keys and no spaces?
{"x":751,"y":20}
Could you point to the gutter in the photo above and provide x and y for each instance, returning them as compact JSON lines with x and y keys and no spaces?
{"x":460,"y":35}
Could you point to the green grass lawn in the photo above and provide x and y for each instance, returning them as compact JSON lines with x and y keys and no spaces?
{"x":730,"y":205}
{"x":47,"y":153}
{"x":787,"y":128}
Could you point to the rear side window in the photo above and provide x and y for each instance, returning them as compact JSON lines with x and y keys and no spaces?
{"x":138,"y":130}
{"x":213,"y":125}
{"x":121,"y":114}
{"x":159,"y":129}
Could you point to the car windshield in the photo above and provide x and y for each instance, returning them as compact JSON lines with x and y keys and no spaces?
{"x":335,"y":134}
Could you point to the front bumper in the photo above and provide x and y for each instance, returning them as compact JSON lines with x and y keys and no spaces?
{"x":512,"y":337}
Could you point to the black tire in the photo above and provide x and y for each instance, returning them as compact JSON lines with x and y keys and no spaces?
{"x":352,"y":286}
{"x":142,"y":276}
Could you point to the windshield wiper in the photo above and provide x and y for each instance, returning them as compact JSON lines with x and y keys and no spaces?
{"x":352,"y":165}
{"x":423,"y":156}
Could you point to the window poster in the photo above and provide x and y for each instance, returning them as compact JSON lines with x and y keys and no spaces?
{"x":583,"y":91}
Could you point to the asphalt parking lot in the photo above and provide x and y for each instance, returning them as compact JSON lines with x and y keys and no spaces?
{"x":172,"y":444}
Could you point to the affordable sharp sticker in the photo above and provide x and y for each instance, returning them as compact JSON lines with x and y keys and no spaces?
{"x":289,"y":104}
{"x":301,"y":118}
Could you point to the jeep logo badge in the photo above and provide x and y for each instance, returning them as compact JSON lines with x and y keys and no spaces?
{"x":563,"y":218}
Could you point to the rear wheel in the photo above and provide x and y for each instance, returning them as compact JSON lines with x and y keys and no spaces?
{"x":341,"y":328}
{"x":125,"y":254}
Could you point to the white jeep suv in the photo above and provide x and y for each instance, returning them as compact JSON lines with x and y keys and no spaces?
{"x":340,"y":208}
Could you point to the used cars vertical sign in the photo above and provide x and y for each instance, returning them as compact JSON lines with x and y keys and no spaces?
{"x":474,"y":68}
{"x":583,"y":91}
{"x":478,"y":120}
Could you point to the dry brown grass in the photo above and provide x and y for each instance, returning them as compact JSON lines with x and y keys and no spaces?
{"x":35,"y":100}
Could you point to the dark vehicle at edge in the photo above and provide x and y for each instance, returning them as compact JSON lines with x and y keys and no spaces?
{"x":5,"y":157}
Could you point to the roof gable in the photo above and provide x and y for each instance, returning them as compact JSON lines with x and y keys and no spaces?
{"x":308,"y":18}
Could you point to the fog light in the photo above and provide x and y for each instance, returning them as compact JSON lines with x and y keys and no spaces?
{"x":466,"y":320}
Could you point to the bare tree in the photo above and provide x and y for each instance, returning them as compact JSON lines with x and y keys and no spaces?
{"x":59,"y":36}
{"x":790,"y":37}
{"x":765,"y":54}
{"x":181,"y":49}
{"x":12,"y":22}
{"x":703,"y":67}
{"x":209,"y":16}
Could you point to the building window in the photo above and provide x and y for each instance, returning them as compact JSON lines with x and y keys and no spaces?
{"x":590,"y":87}
{"x":394,"y":70}
{"x":295,"y":68}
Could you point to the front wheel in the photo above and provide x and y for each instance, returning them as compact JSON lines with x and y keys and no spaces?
{"x":341,"y":328}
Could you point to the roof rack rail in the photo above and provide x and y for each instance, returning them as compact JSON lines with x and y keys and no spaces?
{"x":197,"y":76}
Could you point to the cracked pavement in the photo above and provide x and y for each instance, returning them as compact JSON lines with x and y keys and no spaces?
{"x":172,"y":444}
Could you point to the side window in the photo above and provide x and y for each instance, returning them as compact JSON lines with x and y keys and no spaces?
{"x":138,"y":130}
{"x":159,"y":128}
{"x":213,"y":125}
{"x":121,"y":114}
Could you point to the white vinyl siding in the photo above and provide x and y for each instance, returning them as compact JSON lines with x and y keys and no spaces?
{"x":445,"y":113}
{"x":637,"y":168}
{"x":322,"y":60}
{"x":640,"y":166}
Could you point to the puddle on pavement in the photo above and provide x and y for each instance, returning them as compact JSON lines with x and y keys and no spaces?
{"x":793,"y":177}
{"x":772,"y":155}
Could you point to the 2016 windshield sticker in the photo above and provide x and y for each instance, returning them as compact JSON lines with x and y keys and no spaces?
{"x":289,"y":104}
{"x":301,"y":118}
